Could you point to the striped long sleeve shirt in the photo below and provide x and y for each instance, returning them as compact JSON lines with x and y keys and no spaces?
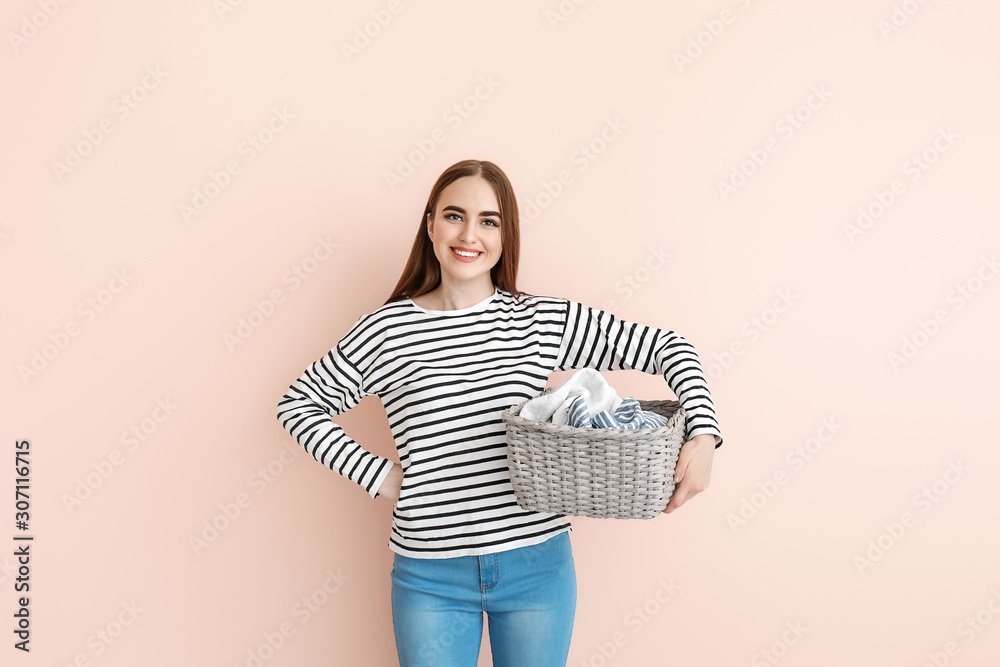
{"x":444,"y":378}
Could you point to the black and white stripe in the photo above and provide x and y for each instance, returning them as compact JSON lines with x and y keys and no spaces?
{"x":444,"y":377}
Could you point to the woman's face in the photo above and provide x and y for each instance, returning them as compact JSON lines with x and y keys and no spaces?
{"x":465,"y":230}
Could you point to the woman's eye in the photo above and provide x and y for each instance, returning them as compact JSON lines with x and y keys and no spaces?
{"x":492,"y":222}
{"x":453,"y":215}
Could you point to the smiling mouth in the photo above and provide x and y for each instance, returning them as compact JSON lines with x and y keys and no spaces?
{"x":467,"y":254}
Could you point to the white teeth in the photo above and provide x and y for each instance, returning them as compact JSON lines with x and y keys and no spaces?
{"x":465,"y":254}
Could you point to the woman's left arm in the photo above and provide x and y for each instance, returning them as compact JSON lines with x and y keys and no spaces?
{"x":594,"y":338}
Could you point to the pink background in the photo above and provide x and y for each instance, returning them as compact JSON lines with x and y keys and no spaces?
{"x":645,"y":209}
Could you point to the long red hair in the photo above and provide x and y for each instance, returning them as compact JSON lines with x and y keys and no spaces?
{"x":423,"y":271}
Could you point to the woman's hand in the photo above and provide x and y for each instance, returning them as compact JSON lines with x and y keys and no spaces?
{"x":392,"y":482}
{"x":694,"y":467}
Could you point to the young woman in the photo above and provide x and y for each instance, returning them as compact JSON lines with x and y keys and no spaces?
{"x":453,"y":346}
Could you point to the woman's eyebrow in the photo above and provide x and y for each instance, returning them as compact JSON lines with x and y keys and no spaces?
{"x":462,"y":211}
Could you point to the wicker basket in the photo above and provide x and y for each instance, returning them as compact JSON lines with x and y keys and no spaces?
{"x":595,"y":472}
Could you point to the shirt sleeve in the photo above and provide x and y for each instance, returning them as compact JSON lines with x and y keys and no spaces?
{"x":594,"y":338}
{"x":330,"y":386}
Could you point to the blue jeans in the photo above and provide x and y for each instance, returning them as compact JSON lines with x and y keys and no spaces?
{"x":528,"y":594}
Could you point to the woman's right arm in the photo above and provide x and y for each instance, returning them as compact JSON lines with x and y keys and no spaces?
{"x":329,"y":386}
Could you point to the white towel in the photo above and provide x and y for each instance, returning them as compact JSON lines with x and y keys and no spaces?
{"x":555,"y":405}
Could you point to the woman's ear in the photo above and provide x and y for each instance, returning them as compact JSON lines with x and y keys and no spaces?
{"x":430,"y":225}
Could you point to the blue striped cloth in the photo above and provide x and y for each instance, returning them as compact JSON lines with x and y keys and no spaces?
{"x":628,"y":415}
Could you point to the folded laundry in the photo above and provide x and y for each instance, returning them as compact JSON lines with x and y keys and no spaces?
{"x":587,"y":400}
{"x":629,"y":415}
{"x":554,"y":406}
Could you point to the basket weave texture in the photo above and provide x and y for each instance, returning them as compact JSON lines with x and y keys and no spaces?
{"x":595,"y":472}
